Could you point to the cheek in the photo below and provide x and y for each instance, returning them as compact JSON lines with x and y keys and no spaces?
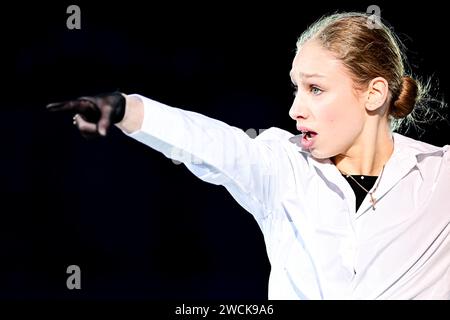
{"x":330,"y":117}
{"x":343,"y":113}
{"x":341,"y":123}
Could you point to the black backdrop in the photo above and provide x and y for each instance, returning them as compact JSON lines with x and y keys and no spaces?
{"x":139,"y":226}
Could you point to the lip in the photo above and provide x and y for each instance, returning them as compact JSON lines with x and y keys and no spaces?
{"x":306,"y":142}
{"x":305,"y":129}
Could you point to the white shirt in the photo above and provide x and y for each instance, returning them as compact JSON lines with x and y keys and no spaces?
{"x":318,"y":246}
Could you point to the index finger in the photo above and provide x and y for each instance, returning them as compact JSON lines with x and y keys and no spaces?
{"x":79,"y":105}
{"x":61,"y":106}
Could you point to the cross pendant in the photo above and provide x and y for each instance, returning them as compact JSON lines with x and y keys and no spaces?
{"x":372,"y":201}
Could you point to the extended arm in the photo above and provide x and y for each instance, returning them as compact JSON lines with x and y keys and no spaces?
{"x":211,"y":149}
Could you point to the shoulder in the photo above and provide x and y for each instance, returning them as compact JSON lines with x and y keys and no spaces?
{"x":417,"y":146}
{"x":430,"y":159}
{"x":274,"y":133}
{"x":422,"y":150}
{"x":280,"y":139}
{"x":286,"y":144}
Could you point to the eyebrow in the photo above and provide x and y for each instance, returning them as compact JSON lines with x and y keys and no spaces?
{"x":306,"y":75}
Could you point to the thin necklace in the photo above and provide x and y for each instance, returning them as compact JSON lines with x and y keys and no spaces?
{"x":373,"y":200}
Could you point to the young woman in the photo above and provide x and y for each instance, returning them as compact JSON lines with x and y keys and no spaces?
{"x":349,"y":208}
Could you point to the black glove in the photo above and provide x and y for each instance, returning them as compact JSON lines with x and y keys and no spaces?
{"x":94,"y":115}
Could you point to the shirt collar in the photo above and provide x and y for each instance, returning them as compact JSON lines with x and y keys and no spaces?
{"x":407,"y":152}
{"x":407,"y":155}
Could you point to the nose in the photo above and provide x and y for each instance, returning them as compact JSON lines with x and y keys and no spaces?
{"x":297,"y":110}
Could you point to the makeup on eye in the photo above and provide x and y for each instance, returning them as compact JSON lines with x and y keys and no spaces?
{"x":314,"y":89}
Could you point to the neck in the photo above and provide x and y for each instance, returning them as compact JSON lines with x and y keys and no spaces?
{"x":368,"y":153}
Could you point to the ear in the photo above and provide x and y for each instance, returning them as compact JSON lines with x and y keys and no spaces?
{"x":377,"y":93}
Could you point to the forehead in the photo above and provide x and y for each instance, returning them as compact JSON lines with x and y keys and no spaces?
{"x":311,"y":58}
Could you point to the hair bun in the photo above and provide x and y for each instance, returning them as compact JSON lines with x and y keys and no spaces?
{"x":406,"y":99}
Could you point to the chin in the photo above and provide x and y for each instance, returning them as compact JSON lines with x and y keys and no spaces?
{"x":319,"y":155}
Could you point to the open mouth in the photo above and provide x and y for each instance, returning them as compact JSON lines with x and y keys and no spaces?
{"x":307,"y":140}
{"x":309,"y":134}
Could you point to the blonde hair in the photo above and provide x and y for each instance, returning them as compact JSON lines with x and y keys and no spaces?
{"x":369,"y":51}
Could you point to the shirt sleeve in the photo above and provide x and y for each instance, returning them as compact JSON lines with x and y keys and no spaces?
{"x":215,"y":152}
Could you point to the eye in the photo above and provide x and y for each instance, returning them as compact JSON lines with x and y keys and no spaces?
{"x":315,"y":90}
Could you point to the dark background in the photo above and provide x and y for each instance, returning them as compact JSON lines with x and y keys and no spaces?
{"x":139,"y":226}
